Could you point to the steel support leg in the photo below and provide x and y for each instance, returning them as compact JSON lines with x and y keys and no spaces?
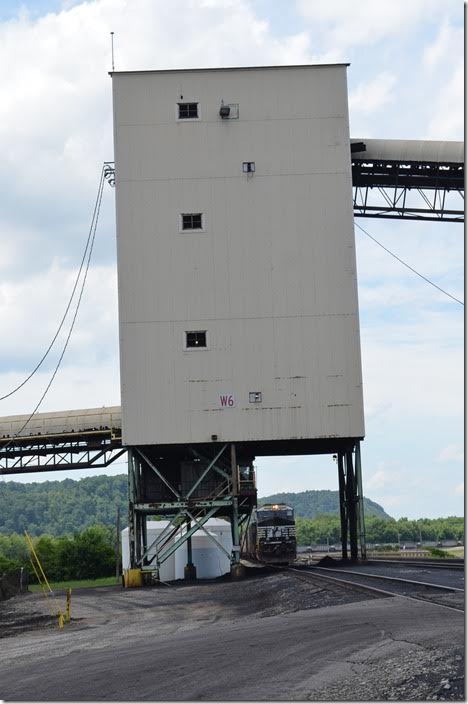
{"x":131,"y":510}
{"x":237,"y":569}
{"x":190,"y":571}
{"x":351,"y":501}
{"x":343,"y":509}
{"x":144,"y":538}
{"x":362,"y":527}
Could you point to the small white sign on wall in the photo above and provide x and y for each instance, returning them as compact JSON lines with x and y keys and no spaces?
{"x":227,"y":400}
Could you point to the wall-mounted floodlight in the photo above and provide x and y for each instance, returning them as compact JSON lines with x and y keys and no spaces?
{"x":248,"y":167}
{"x":224,"y":111}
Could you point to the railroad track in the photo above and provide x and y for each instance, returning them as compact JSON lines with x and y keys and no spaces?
{"x":453,"y":564}
{"x":387,"y":586}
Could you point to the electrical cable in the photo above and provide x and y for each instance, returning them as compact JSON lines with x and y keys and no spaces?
{"x":410,"y":267}
{"x":39,"y":364}
{"x":93,"y":230}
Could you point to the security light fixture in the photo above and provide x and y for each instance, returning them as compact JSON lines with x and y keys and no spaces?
{"x":224,"y":111}
{"x":248,"y":167}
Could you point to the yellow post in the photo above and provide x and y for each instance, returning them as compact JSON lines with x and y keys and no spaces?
{"x":44,"y":584}
{"x":31,"y":547}
{"x":68,"y":610}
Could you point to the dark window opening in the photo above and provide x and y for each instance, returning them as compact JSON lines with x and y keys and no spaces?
{"x":192,"y":221}
{"x":188,"y":111}
{"x":196,"y":338}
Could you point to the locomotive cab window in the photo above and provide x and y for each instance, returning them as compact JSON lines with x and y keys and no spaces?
{"x":187,"y":111}
{"x":195,"y":339}
{"x":275,"y":517}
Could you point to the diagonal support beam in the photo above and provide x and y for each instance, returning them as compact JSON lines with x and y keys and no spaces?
{"x":167,"y":553}
{"x":212,"y":465}
{"x":218,"y":469}
{"x":200,"y":525}
{"x":162,"y":538}
{"x":157,"y":472}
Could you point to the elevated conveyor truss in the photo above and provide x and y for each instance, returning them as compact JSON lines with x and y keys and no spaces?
{"x":63,"y":440}
{"x":411,"y":180}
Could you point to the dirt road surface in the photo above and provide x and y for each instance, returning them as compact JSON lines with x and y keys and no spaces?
{"x":269,"y":638}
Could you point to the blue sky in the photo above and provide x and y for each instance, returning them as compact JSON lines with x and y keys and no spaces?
{"x":405,"y":81}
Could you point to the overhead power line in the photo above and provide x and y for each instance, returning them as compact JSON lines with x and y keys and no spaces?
{"x":421,"y":276}
{"x":83,"y":259}
{"x":90,"y":251}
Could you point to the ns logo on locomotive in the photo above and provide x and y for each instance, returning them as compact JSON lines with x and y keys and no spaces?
{"x":271,"y":535}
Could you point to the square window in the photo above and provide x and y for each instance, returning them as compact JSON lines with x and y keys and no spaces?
{"x":195,"y":338}
{"x":248,"y":167}
{"x":255,"y":396}
{"x":188,"y":111}
{"x":192,"y":221}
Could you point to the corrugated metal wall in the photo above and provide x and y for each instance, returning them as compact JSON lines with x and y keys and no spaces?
{"x":272,"y":278}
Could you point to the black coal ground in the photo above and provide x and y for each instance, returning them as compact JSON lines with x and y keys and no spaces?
{"x":400,"y":666}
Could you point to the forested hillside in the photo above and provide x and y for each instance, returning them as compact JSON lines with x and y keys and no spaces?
{"x":67,"y":507}
{"x":62,"y":507}
{"x":309,"y":504}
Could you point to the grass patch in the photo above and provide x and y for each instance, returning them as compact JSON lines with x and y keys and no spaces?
{"x":79,"y":584}
{"x":458,"y":551}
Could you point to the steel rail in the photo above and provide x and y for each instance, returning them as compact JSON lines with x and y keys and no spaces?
{"x":372,"y":590}
{"x":387,"y":578}
{"x":456,"y":565}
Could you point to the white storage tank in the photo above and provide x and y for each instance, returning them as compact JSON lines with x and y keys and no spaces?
{"x":208,"y":558}
{"x":154,"y":529}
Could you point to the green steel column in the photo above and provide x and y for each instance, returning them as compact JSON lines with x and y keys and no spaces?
{"x":131,"y":511}
{"x":362,"y":526}
{"x":144,"y":536}
{"x":235,"y":531}
{"x":234,"y":473}
{"x":237,"y":569}
{"x":190,"y":571}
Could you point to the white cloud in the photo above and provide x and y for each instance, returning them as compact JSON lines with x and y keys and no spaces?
{"x":369,"y":22}
{"x":451,"y":453}
{"x":372,"y":95}
{"x":447,"y":110}
{"x":56,"y":130}
{"x":377,"y":480}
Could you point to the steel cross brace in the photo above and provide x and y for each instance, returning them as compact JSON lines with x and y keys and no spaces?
{"x":200,"y":525}
{"x":212,"y":464}
{"x":188,"y":534}
{"x":215,"y":467}
{"x":168,"y":532}
{"x":158,"y":473}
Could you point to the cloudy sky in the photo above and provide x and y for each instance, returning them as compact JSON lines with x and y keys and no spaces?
{"x":405,"y":82}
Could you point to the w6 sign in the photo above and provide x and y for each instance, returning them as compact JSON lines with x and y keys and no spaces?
{"x":226,"y":400}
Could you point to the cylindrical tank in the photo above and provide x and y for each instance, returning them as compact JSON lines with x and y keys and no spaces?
{"x":154,"y":529}
{"x":209,"y":559}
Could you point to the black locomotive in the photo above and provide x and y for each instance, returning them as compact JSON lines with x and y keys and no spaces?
{"x":271,"y":535}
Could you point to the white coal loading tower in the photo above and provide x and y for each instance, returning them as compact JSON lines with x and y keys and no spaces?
{"x":238,"y":310}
